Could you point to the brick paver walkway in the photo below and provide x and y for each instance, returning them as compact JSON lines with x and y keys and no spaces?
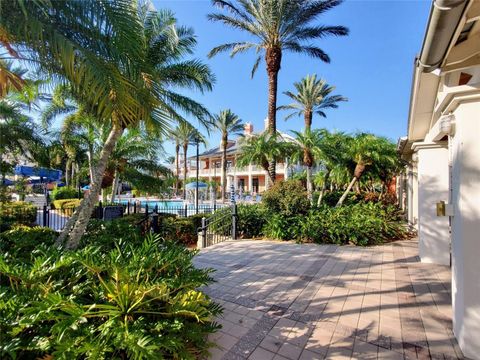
{"x":290,"y":301}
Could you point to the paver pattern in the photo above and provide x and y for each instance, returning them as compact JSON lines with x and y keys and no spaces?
{"x":291,"y":301}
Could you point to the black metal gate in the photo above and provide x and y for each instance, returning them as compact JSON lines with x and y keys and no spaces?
{"x":220,"y":226}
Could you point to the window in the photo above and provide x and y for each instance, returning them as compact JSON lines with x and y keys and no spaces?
{"x":464,"y":78}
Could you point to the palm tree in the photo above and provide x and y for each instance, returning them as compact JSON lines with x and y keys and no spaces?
{"x":306,"y":150}
{"x":19,"y":135}
{"x":187,"y":135}
{"x":261,"y":150}
{"x":312,"y":97}
{"x":368,"y":150}
{"x":159,"y":67}
{"x":176,"y":139}
{"x":332,"y":150}
{"x":228,"y":124}
{"x":277,"y":26}
{"x":136,"y":156}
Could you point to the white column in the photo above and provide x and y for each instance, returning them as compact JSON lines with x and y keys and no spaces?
{"x":250,"y":179}
{"x":433,"y":230}
{"x":466,"y":228}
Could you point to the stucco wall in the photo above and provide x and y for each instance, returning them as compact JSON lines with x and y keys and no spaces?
{"x":433,"y":230}
{"x":466,"y":228}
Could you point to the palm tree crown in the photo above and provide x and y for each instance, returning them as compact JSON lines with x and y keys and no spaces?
{"x":313,"y":96}
{"x":262,"y":149}
{"x":276,"y":26}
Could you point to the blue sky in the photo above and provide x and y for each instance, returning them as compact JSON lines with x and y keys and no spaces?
{"x":372,"y":66}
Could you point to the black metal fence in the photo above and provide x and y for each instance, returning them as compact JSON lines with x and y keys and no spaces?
{"x":219,"y":227}
{"x":56,"y":219}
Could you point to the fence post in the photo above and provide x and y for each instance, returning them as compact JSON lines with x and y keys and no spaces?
{"x":155,"y":223}
{"x":234,"y":222}
{"x":134,"y":207}
{"x":128,"y":207}
{"x":100,"y":211}
{"x":186,"y":210}
{"x":156,"y":209}
{"x":204,"y":232}
{"x":45,"y":215}
{"x":146,"y":211}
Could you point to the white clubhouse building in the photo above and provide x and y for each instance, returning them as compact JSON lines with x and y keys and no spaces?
{"x":441,"y":186}
{"x":246,"y":179}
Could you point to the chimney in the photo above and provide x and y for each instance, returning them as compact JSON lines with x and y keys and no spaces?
{"x":248,"y":129}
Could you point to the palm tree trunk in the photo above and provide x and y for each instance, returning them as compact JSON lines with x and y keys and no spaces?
{"x":116,"y":179}
{"x":185,"y":149}
{"x":273,"y":58}
{"x":308,"y":119}
{"x":80,"y":218}
{"x":224,"y":167}
{"x":90,"y":163}
{"x":67,"y":172}
{"x":309,"y":183}
{"x":344,"y":196}
{"x":177,"y":168}
{"x":322,"y":191}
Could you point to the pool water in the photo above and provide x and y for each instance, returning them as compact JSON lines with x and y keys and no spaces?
{"x":163,"y":204}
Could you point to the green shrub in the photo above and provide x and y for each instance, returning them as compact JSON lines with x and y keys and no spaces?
{"x":359,"y":224}
{"x":19,"y":212}
{"x":22,"y":240}
{"x":105,"y":233}
{"x":64,"y":192}
{"x":251,"y":220}
{"x":182,"y":230}
{"x":287,"y":198}
{"x":66,"y":203}
{"x":330,"y":198}
{"x":283,"y":227}
{"x":135,"y":300}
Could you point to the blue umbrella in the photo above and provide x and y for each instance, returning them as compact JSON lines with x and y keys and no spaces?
{"x":193,"y":185}
{"x":86,"y":187}
{"x":7,"y":182}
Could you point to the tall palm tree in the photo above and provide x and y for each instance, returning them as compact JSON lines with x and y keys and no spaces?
{"x":176,"y":139}
{"x":312,"y":97}
{"x":261,"y":150}
{"x":306,"y":150}
{"x":187,"y":135}
{"x":153,"y":73}
{"x":227,"y":123}
{"x":277,"y":26}
{"x":368,"y":150}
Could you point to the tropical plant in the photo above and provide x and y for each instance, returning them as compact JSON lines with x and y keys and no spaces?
{"x":313,"y":96}
{"x":159,"y":69}
{"x":287,"y":198}
{"x":187,"y":135}
{"x":261,"y":150}
{"x":277,"y":26}
{"x":134,"y":299}
{"x":332,"y":150}
{"x":64,"y":192}
{"x":227,"y":123}
{"x":135,"y":159}
{"x":366,"y":151}
{"x":19,"y":135}
{"x":306,"y":150}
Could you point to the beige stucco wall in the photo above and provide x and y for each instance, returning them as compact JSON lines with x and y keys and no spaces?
{"x":466,"y":228}
{"x":433,"y":230}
